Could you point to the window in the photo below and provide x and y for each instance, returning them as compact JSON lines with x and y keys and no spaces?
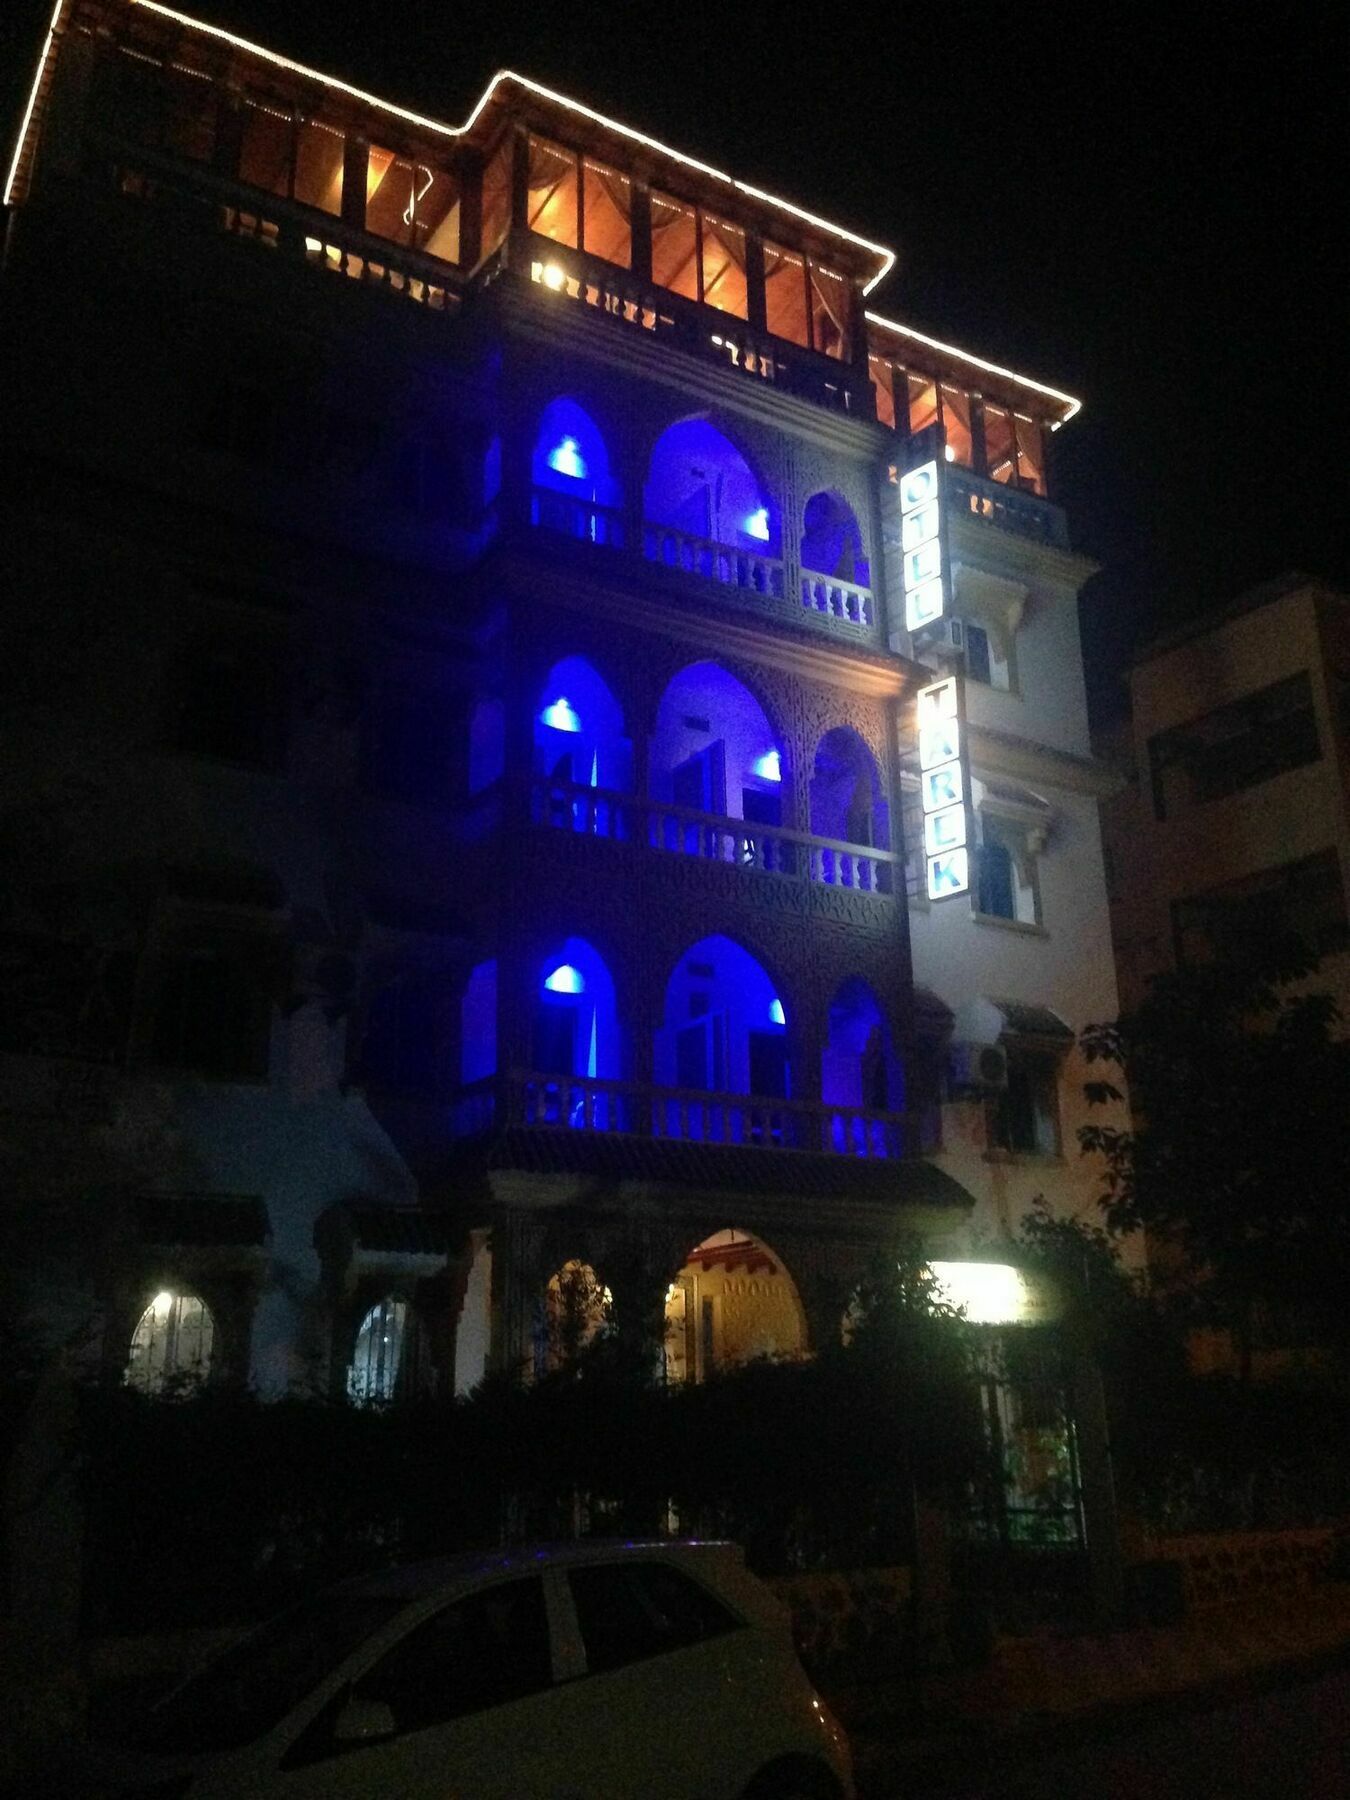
{"x":1009,"y":449}
{"x":1005,"y":870}
{"x":1024,"y":1119}
{"x":806,"y":303}
{"x":579,"y":202}
{"x":631,"y":1611}
{"x":1235,"y":747}
{"x":231,"y":706}
{"x":497,"y":198}
{"x":956,"y":424}
{"x":883,"y":379}
{"x":723,"y":263}
{"x":213,"y":1007}
{"x":412,"y":202}
{"x":379,"y":1353}
{"x":320,"y":151}
{"x":785,"y":295}
{"x":675,"y":246}
{"x":1304,"y":899}
{"x":171,"y":1345}
{"x":552,"y":208}
{"x":830,"y":327}
{"x":987,"y":659}
{"x":606,"y":213}
{"x":1000,"y":449}
{"x":486,"y":1650}
{"x":924,"y":406}
{"x":296,"y":158}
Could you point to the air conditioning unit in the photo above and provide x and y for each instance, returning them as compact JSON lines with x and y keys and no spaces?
{"x":982,"y":1068}
{"x":944,"y":637}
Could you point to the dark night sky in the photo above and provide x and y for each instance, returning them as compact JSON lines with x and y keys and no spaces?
{"x":1143,"y":211}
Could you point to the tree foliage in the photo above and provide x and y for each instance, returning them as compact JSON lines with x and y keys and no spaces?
{"x":1238,"y":1160}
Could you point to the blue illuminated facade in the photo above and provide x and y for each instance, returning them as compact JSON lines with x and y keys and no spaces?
{"x":531,"y":765}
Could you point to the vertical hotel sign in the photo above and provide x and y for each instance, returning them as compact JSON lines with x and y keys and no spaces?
{"x":944,"y":785}
{"x":923,"y":545}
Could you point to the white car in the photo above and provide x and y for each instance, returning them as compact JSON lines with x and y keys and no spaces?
{"x":593,"y":1671}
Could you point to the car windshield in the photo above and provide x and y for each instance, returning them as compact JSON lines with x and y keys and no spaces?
{"x":255,"y":1683}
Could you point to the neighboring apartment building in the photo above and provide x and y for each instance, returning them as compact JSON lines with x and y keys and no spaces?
{"x":465,"y":705}
{"x":1237,"y":815}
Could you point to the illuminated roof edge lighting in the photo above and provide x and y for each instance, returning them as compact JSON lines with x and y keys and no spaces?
{"x":1075,"y":406}
{"x":921,"y":337}
{"x":443,"y":130}
{"x":47,"y":43}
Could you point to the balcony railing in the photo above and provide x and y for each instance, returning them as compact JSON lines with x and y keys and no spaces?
{"x":742,"y":843}
{"x":197,"y":201}
{"x":1009,"y":508}
{"x":702,"y":330}
{"x":723,"y":563}
{"x":832,"y":598}
{"x":577,"y":517}
{"x":586,"y":1103}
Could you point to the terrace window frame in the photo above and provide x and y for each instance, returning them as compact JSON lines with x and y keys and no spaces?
{"x":579,"y":158}
{"x":1028,"y":476}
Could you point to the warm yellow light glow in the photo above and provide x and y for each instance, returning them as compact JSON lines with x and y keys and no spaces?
{"x":544,"y":93}
{"x":988,"y":1293}
{"x":554,"y":276}
{"x":978,"y":362}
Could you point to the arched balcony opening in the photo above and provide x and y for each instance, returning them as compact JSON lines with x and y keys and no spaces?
{"x":848,"y":806}
{"x":575,"y":1058}
{"x":706,"y":513}
{"x":832,"y":540}
{"x":577,"y":1308}
{"x":722,"y":1050}
{"x":581,"y":757}
{"x":862,"y":1080}
{"x":836,"y":572}
{"x":715,"y":753}
{"x":732,"y":1302}
{"x":171,"y":1347}
{"x":572,"y":490}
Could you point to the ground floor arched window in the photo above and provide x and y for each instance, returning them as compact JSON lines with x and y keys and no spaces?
{"x":172,"y":1344}
{"x":378,"y":1358}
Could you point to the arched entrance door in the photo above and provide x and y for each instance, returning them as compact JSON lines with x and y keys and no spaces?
{"x":732,"y":1302}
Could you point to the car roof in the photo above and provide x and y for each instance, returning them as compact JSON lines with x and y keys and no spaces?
{"x":413,"y":1581}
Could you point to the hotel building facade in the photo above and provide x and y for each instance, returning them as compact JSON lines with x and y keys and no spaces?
{"x":480,"y":587}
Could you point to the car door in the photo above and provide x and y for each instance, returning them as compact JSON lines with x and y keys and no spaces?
{"x":471,"y":1697}
{"x":660,"y":1704}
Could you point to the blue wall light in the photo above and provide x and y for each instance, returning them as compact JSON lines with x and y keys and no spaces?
{"x":776,"y":1012}
{"x":565,"y":980}
{"x":757,"y":524}
{"x":566,"y":459}
{"x":769,"y":767}
{"x":560,"y":716}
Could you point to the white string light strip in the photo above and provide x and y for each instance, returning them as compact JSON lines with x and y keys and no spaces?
{"x":454,"y":131}
{"x":575,"y":106}
{"x":978,"y":362}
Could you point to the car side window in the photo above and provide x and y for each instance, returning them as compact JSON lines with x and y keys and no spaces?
{"x":483,"y":1651}
{"x":630,"y":1611}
